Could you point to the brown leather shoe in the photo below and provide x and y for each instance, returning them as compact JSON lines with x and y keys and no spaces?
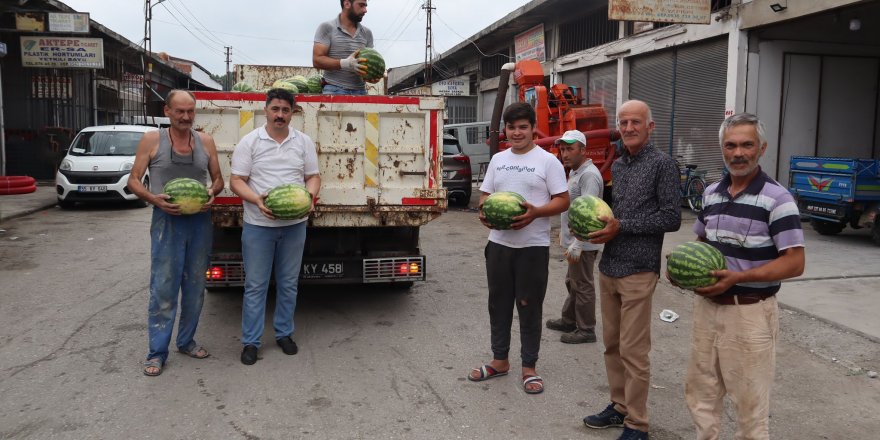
{"x":560,"y":325}
{"x":579,"y":337}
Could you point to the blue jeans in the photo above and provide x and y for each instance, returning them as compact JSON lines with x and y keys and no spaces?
{"x":260,"y":246}
{"x":180,"y":246}
{"x":330,"y":89}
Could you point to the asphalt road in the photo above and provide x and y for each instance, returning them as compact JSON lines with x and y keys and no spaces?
{"x":372,"y":364}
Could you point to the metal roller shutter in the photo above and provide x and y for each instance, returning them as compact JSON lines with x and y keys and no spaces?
{"x":700,"y":86}
{"x":602,"y":89}
{"x":487,"y":104}
{"x":651,"y":81}
{"x":461,"y":109}
{"x":575,"y":78}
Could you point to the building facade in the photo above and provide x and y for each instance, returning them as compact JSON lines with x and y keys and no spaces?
{"x":47,"y":100}
{"x":809,"y":69}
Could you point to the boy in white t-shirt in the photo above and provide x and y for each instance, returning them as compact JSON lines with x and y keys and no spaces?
{"x":517,"y":259}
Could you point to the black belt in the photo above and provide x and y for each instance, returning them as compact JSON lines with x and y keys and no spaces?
{"x":742,"y":299}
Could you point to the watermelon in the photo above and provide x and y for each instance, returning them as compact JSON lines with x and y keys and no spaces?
{"x":282,"y":84}
{"x":375,"y":64}
{"x":584,"y":213}
{"x":314,"y":82}
{"x":500,"y":208}
{"x":289,"y":202}
{"x":301,"y":83}
{"x":190,"y":194}
{"x":689,"y":264}
{"x":242,"y":87}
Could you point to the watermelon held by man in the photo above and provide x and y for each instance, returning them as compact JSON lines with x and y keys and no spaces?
{"x":501,"y":207}
{"x":584,"y":213}
{"x":690,"y":264}
{"x":289,"y":201}
{"x":375,"y":64}
{"x":190,"y":194}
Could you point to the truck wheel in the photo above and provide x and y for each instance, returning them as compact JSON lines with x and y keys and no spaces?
{"x":875,"y":232}
{"x":827,"y":228}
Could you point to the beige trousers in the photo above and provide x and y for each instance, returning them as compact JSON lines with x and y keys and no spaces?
{"x":626,"y":332}
{"x":733,"y":352}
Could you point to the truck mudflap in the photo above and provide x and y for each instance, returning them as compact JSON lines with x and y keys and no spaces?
{"x":348,"y":270}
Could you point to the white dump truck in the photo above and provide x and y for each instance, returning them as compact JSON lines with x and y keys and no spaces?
{"x":380,"y":160}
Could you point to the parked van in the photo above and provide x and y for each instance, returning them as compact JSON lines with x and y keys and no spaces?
{"x":472,"y":137}
{"x":97,"y":165}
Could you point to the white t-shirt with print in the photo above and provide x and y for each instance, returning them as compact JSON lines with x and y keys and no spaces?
{"x":268,"y":164}
{"x":536,"y":176}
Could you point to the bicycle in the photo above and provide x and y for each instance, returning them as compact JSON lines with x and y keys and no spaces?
{"x":691,"y":186}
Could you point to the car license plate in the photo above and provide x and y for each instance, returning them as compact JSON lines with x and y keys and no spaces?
{"x":322,"y":270}
{"x":448,"y":174}
{"x":92,"y":188}
{"x":821,"y":209}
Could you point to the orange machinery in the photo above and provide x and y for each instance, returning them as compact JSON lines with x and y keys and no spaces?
{"x":561,"y":109}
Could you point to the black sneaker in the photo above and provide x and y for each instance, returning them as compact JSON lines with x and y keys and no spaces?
{"x":632,"y":434}
{"x":608,"y":418}
{"x":579,"y":337}
{"x":560,"y":325}
{"x":249,"y":355}
{"x":287,"y":345}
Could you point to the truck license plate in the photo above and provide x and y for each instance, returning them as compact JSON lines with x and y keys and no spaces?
{"x":322,"y":270}
{"x":92,"y":188}
{"x":821,"y":209}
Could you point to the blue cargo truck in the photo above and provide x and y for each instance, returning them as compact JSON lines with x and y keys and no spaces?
{"x":836,"y":192}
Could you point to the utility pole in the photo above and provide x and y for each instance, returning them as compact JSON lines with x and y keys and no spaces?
{"x":147,"y":57}
{"x":228,"y":59}
{"x":429,"y":49}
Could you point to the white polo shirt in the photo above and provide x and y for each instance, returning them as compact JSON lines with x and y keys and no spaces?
{"x":268,"y":164}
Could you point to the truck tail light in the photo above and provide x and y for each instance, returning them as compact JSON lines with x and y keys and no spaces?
{"x":408,"y":268}
{"x":214,"y":273}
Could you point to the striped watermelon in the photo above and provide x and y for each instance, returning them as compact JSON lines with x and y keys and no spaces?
{"x":375,"y":64}
{"x":314,"y":84}
{"x":689,"y":264}
{"x":242,"y":87}
{"x":190,"y":194}
{"x":282,"y":84}
{"x":584,"y":213}
{"x":500,"y":208}
{"x":301,"y":83}
{"x":289,"y":202}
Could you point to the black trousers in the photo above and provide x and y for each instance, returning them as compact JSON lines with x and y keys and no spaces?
{"x":516,"y":275}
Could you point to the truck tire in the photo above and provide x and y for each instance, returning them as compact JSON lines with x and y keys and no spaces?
{"x":827,"y":228}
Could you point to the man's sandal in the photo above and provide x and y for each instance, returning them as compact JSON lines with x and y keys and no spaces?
{"x":486,"y":372}
{"x":535,"y":380}
{"x":197,"y":351}
{"x":153,"y":363}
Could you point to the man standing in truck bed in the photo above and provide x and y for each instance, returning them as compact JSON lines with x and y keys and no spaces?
{"x":337,"y":43}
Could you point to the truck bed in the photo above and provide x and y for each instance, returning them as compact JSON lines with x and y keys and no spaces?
{"x":380,"y":156}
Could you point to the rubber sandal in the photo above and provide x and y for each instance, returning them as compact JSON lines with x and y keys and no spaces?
{"x":194,"y":352}
{"x":532,"y":379}
{"x":153,"y":363}
{"x":486,"y":373}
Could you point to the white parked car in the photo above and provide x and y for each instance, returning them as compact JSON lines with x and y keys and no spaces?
{"x":97,"y":165}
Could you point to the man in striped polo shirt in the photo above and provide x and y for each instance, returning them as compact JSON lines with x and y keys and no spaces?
{"x":754,"y":222}
{"x":337,"y":43}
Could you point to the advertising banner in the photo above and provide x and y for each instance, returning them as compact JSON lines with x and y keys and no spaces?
{"x":529,"y":45}
{"x":666,"y":11}
{"x":62,"y":52}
